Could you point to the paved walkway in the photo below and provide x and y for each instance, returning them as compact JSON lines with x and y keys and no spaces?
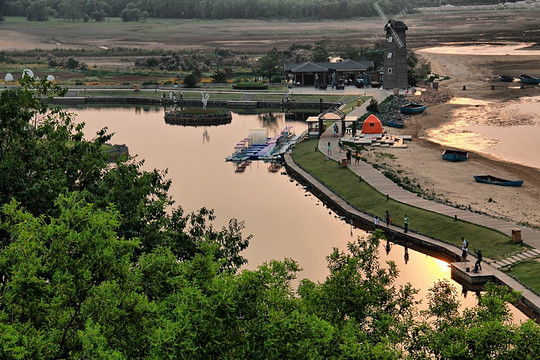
{"x":386,"y":186}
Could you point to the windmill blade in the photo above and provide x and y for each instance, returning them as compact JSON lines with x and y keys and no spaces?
{"x":385,"y":18}
{"x":380,"y":11}
{"x":396,"y":36}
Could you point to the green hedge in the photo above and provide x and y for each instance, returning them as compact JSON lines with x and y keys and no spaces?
{"x":250,"y":86}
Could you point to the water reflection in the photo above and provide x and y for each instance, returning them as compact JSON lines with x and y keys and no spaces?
{"x":285,"y":219}
{"x":502,"y":130}
{"x":482,"y":49}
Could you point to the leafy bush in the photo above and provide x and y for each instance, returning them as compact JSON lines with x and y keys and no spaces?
{"x":250,"y":86}
{"x":191,"y":80}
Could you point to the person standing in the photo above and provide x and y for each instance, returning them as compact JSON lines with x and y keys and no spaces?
{"x":376,"y":222}
{"x":356,"y":157}
{"x":387,"y":218}
{"x":349,"y":157}
{"x":464,"y":249}
{"x":406,"y":223}
{"x":339,"y":144}
{"x":329,"y":148}
{"x":478,"y":263}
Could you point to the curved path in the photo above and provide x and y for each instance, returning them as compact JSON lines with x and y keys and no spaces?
{"x":386,"y":186}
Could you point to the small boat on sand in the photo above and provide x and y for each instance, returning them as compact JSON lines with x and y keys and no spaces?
{"x":489,"y":179}
{"x":397,"y":123}
{"x":506,"y":78}
{"x":412,"y":108}
{"x":528,"y":79}
{"x":455,"y":155}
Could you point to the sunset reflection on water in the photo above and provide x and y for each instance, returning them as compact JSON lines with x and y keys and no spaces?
{"x":286,"y":221}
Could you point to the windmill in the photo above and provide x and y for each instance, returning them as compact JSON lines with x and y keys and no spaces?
{"x":395,"y":52}
{"x":385,"y":18}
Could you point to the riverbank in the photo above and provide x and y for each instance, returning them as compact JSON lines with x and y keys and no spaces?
{"x":339,"y":195}
{"x":448,"y":123}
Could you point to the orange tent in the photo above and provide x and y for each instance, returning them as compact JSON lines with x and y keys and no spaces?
{"x":372,"y":125}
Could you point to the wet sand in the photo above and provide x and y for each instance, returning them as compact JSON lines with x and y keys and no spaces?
{"x":453,"y":183}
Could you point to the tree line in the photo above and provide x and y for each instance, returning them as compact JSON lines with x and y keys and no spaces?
{"x":129,"y":10}
{"x":97,"y":262}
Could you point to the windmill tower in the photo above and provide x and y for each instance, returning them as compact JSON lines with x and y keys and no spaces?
{"x":395,"y":53}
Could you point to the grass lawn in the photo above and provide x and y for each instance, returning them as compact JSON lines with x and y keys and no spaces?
{"x":156,"y":94}
{"x":362,"y":196}
{"x":528,"y":273}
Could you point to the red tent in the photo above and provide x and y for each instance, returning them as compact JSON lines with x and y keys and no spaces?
{"x":372,"y":125}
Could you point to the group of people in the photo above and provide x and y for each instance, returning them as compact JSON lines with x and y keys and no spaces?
{"x":387,"y":219}
{"x":172,"y":96}
{"x":348,"y":154}
{"x":464,"y":243}
{"x":465,"y":251}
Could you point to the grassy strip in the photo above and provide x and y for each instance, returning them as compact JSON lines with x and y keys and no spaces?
{"x":528,"y":273}
{"x":157,"y":94}
{"x":299,"y":97}
{"x":362,"y":196}
{"x":351,"y":105}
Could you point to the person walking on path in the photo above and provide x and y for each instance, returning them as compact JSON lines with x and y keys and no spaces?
{"x":376,"y":222}
{"x":340,"y":145}
{"x":356,"y":157}
{"x":329,"y":148}
{"x":387,"y":218}
{"x":406,"y":223}
{"x":349,"y":156}
{"x":464,"y":249}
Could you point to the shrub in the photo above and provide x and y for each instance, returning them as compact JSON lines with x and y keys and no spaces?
{"x":250,"y":86}
{"x":191,"y":80}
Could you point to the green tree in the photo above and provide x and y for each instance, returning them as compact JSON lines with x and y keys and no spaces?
{"x":271,"y":64}
{"x":191,"y":80}
{"x":221,"y":76}
{"x":38,"y":11}
{"x":72,"y":9}
{"x":96,"y":264}
{"x":351,"y":52}
{"x":320,"y":50}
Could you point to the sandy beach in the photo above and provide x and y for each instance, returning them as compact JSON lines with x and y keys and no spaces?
{"x":453,"y":183}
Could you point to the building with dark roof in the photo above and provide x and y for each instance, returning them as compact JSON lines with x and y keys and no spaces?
{"x":395,"y":56}
{"x":309,"y":73}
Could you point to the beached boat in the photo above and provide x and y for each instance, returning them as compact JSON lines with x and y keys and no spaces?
{"x":488,"y":179}
{"x":455,"y":155}
{"x":412,"y":108}
{"x":506,"y":78}
{"x":397,"y":123}
{"x":528,"y":79}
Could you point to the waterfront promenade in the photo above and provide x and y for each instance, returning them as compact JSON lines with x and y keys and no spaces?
{"x":386,"y":186}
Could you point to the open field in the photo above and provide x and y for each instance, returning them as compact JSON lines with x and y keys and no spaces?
{"x":258,"y":36}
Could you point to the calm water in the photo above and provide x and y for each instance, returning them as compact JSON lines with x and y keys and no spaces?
{"x":285,"y":220}
{"x":505,"y":131}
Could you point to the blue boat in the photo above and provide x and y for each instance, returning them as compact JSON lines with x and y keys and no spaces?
{"x":412,"y":108}
{"x":488,"y":179}
{"x":455,"y":155}
{"x":397,"y":123}
{"x":506,"y":78}
{"x":528,"y":79}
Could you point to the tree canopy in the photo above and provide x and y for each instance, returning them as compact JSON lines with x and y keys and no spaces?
{"x":96,"y":262}
{"x":215,"y":9}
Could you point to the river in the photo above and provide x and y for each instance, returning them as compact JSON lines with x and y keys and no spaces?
{"x":284,"y":219}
